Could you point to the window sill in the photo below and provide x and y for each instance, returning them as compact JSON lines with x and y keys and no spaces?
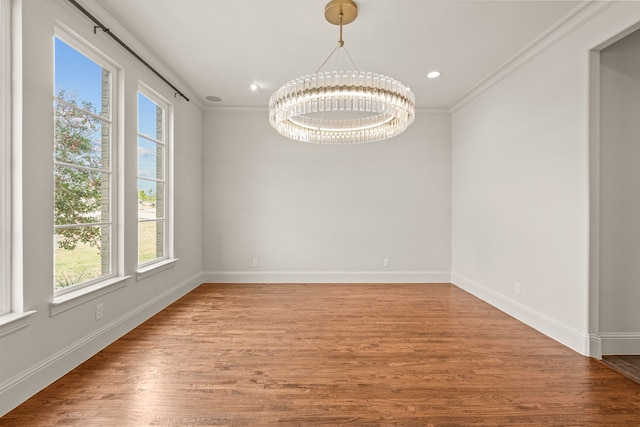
{"x":13,"y":322}
{"x":150,"y":270}
{"x":73,"y":299}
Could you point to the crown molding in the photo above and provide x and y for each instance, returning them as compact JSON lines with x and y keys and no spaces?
{"x":235,"y":109}
{"x":264,"y":109}
{"x":578,"y":16}
{"x":434,"y":110}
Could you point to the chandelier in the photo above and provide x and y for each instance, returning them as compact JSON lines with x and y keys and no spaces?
{"x":341,"y":107}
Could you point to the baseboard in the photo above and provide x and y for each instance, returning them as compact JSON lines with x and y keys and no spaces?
{"x":626,"y":343}
{"x":595,"y":346}
{"x":558,"y":331}
{"x":27,"y":383}
{"x":327,"y":276}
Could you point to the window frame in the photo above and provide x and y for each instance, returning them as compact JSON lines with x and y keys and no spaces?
{"x":167,"y":259}
{"x":6,"y":294}
{"x":94,"y":54}
{"x":14,"y":318}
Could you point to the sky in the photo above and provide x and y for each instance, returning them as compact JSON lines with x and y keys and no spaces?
{"x":76,"y":74}
{"x":79,"y":76}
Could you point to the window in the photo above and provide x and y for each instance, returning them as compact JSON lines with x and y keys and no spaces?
{"x":84,"y":179}
{"x":5,"y":158}
{"x":153,"y":184}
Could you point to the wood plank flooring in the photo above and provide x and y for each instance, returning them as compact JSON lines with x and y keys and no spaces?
{"x":334,"y":354}
{"x":627,"y":365}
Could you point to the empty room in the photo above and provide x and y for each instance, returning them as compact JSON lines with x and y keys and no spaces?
{"x":345,"y":212}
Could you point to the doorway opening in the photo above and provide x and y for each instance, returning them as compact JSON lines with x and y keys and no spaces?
{"x":614,"y":318}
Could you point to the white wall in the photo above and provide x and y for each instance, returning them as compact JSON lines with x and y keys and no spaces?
{"x":47,"y":347}
{"x":520,"y":182}
{"x":326,"y":213}
{"x":520,"y":199}
{"x":619,"y":196}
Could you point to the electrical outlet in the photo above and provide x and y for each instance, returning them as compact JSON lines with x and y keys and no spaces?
{"x":99,"y":311}
{"x":254,"y":263}
{"x":516,"y":288}
{"x":386,"y":262}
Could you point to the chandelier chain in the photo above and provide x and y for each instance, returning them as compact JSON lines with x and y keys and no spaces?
{"x":349,"y":56}
{"x":339,"y":46}
{"x":328,"y":58}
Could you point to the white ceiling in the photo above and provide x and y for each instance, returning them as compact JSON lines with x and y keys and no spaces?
{"x":220,"y":47}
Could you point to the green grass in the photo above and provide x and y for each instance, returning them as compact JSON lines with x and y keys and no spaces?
{"x":83,"y":262}
{"x":146,"y":241}
{"x":76,"y":265}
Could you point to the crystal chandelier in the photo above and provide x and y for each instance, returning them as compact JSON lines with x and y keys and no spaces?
{"x":341,"y":107}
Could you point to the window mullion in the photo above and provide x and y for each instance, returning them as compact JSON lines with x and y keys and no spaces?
{"x":144,"y":178}
{"x":151,"y":219}
{"x":148,"y":138}
{"x":82,"y":224}
{"x":85,"y":168}
{"x":84,"y":111}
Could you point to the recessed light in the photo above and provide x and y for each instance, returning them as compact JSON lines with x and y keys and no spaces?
{"x":213,"y":98}
{"x":254,"y":86}
{"x":433,"y":74}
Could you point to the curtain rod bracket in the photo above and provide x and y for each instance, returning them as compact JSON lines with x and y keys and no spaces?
{"x":95,"y":28}
{"x":100,"y":25}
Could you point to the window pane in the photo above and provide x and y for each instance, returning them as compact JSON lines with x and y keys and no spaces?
{"x":81,"y":196}
{"x":150,"y":159}
{"x":150,"y":240}
{"x":82,"y":192}
{"x":151,"y":180}
{"x":147,"y":199}
{"x":80,"y":255}
{"x":81,"y":80}
{"x":150,"y":118}
{"x":80,"y":138}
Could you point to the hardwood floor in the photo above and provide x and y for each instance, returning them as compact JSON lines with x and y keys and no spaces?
{"x":627,"y":365}
{"x":360,"y":354}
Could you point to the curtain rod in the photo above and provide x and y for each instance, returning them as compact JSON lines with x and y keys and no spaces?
{"x":100,"y":25}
